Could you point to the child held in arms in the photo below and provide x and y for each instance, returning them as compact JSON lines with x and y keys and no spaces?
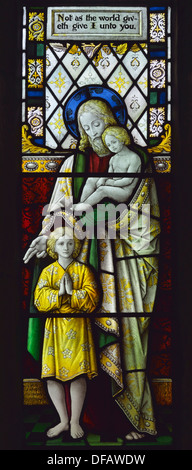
{"x":124,"y":160}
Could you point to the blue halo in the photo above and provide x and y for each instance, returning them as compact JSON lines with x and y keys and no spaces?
{"x":86,"y":93}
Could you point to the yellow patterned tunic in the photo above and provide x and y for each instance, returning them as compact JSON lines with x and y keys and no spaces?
{"x":68,"y":347}
{"x":128,"y":277}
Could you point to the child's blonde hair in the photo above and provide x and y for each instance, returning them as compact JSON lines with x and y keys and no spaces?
{"x":119,"y":132}
{"x":58,"y":233}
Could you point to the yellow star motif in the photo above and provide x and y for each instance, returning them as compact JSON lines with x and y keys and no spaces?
{"x":144,"y":83}
{"x":120,"y":82}
{"x":58,"y":123}
{"x":59,"y":82}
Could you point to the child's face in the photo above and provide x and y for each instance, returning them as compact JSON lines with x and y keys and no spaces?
{"x":113,"y":144}
{"x":64,"y":246}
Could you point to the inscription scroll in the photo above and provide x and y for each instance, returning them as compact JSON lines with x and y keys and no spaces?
{"x":120,"y":23}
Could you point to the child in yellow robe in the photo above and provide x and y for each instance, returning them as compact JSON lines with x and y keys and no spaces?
{"x":66,"y":287}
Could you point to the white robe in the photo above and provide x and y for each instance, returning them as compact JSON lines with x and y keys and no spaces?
{"x":129,"y":276}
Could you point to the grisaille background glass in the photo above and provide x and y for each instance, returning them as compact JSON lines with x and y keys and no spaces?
{"x":138,"y":69}
{"x":179,"y":110}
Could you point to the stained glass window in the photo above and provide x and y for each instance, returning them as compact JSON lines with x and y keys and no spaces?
{"x":122,"y":57}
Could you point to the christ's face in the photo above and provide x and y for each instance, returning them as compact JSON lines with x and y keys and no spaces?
{"x":64,"y":246}
{"x":92,"y":125}
{"x":113,"y":144}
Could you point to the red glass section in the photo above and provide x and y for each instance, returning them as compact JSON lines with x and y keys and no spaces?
{"x":36,"y":194}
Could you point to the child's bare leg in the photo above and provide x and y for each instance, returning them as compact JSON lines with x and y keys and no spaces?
{"x":89,"y":188}
{"x":78,"y":392}
{"x":57,"y":394}
{"x":116,"y":193}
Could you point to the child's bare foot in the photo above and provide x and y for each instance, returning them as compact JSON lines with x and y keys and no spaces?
{"x":81,"y":206}
{"x":134,"y":436}
{"x":56,"y":430}
{"x":76,"y":431}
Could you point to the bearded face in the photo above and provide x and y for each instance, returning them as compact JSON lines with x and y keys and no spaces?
{"x":94,"y":126}
{"x":98,"y":146}
{"x":94,"y":117}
